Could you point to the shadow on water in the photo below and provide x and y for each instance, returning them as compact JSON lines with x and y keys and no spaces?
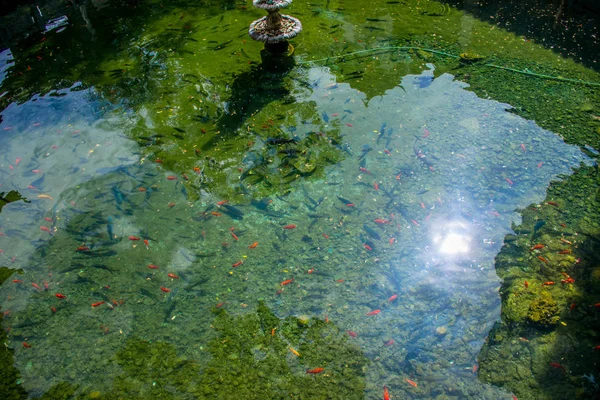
{"x":251,"y":91}
{"x":569,"y":28}
{"x":548,"y":335}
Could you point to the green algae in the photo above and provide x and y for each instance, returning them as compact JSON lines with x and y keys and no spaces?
{"x":9,"y":375}
{"x":543,"y":310}
{"x":245,"y":353}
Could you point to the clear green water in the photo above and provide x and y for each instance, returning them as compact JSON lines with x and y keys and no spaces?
{"x":389,"y":242}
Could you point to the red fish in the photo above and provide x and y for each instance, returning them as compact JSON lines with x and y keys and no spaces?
{"x":326,"y":236}
{"x":171,"y":177}
{"x":389,"y":342}
{"x":220,"y":203}
{"x":45,"y":229}
{"x":152,"y":266}
{"x":526,"y":284}
{"x":83,"y":248}
{"x":537,"y":247}
{"x":164,"y":289}
{"x":386,"y":393}
{"x":17,"y":281}
{"x":253,"y":245}
{"x":314,"y":371}
{"x":523,"y":147}
{"x":392,"y":241}
{"x":509,"y":181}
{"x":369,"y":248}
{"x":172,"y":276}
{"x":426,"y":134}
{"x":542,"y":259}
{"x":374,"y":312}
{"x":381,"y":221}
{"x":60,"y":296}
{"x":237,"y":264}
{"x":375,"y":186}
{"x":290,"y":226}
{"x":233,"y":235}
{"x":392,"y":298}
{"x":287,"y":282}
{"x":98,"y":303}
{"x":134,"y":238}
{"x":410,"y":382}
{"x":558,"y":366}
{"x":352,"y":334}
{"x":27,"y":345}
{"x":147,"y":243}
{"x":548,"y":283}
{"x":366,"y":171}
{"x":350,"y":125}
{"x":552,"y":203}
{"x":540,"y":165}
{"x":35,"y":285}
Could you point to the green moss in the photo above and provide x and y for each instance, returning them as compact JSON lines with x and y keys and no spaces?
{"x":9,"y":375}
{"x":543,"y":310}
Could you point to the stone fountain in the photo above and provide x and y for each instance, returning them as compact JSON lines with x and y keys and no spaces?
{"x":275,"y":30}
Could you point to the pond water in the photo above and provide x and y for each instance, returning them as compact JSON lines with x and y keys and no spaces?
{"x":395,"y":213}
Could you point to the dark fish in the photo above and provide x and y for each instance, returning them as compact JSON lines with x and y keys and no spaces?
{"x":366,"y":148}
{"x":291,"y":153}
{"x":381,"y":132}
{"x":232,"y":211}
{"x":369,"y":243}
{"x":179,"y":129}
{"x":221,"y":46}
{"x":325,"y":116}
{"x":39,"y":182}
{"x":261,"y":204}
{"x":278,"y":141}
{"x":371,"y":232}
{"x":110,"y":227}
{"x":538,"y":226}
{"x":118,"y":195}
{"x":205,"y":255}
{"x":389,"y":137}
{"x":171,"y":307}
{"x":104,"y":267}
{"x":345,"y":201}
{"x":375,"y":20}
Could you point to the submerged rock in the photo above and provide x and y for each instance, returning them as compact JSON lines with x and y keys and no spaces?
{"x":543,"y":310}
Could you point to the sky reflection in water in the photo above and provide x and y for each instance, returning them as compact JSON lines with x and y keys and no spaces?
{"x":452,"y":171}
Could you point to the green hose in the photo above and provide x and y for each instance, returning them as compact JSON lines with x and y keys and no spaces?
{"x":405,"y":48}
